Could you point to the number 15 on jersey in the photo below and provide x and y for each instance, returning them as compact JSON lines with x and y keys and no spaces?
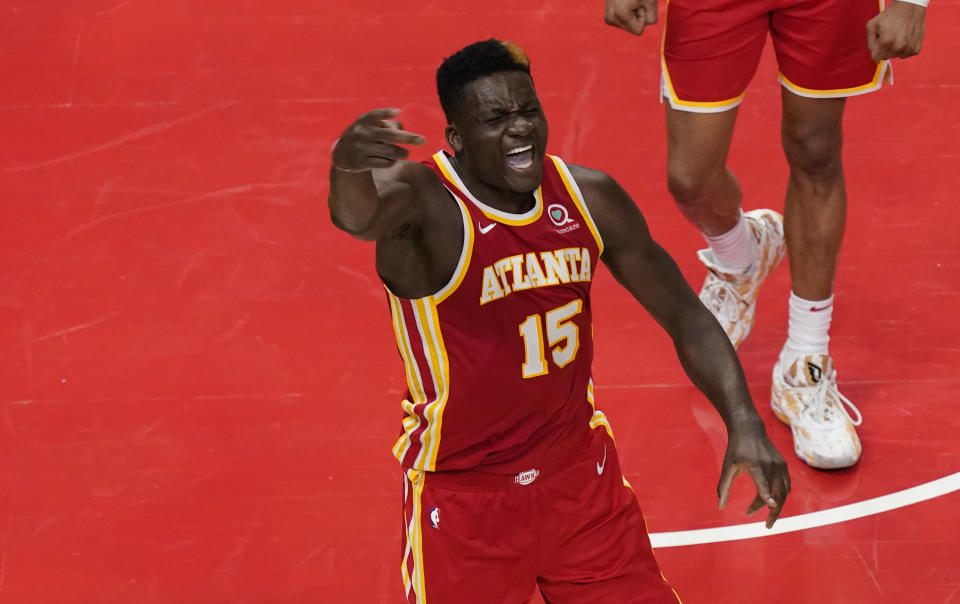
{"x":562,"y":337}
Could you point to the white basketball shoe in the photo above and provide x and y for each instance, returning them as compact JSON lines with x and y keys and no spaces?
{"x":732,"y":295}
{"x":805,"y":397}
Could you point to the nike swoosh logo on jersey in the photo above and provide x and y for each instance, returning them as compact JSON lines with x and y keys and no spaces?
{"x":601,"y":465}
{"x":486,"y":229}
{"x":815,"y":309}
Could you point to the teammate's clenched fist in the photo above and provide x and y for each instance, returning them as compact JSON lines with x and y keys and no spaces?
{"x":630,"y":15}
{"x":897,"y":32}
{"x":373,"y":141}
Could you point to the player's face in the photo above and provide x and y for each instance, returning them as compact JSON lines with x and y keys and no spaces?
{"x":500,"y":134}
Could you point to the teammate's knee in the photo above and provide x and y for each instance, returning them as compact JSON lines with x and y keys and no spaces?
{"x":690,"y":185}
{"x":814,"y":151}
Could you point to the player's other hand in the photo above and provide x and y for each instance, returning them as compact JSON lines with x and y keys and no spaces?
{"x":373,"y":141}
{"x":630,"y":15}
{"x":752,"y":452}
{"x":897,"y":32}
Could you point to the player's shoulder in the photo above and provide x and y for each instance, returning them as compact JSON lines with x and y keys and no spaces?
{"x":597,"y":186}
{"x":609,"y":203}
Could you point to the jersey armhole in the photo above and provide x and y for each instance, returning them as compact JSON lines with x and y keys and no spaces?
{"x":465,"y":253}
{"x":463,"y":262}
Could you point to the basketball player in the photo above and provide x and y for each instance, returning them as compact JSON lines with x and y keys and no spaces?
{"x":511,"y":474}
{"x":827,"y":50}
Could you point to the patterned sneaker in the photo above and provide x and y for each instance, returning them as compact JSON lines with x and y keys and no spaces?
{"x":806,"y":398}
{"x":732,"y":296}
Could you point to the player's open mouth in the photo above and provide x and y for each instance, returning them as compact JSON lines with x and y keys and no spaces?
{"x":520,"y":158}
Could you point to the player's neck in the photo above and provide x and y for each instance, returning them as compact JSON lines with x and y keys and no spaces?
{"x":505,"y":200}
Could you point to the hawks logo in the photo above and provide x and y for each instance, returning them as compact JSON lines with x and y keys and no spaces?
{"x":525,"y":478}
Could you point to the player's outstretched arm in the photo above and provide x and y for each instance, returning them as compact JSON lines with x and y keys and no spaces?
{"x":651,"y":275}
{"x":375,"y":195}
{"x":371,"y":188}
{"x":630,"y":15}
{"x":897,"y":32}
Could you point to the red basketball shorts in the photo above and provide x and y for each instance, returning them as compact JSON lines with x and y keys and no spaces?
{"x":711,"y":49}
{"x":574,"y":531}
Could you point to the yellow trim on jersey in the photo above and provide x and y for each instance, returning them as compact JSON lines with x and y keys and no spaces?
{"x":427,"y":334}
{"x":870,"y":86}
{"x":465,"y":255}
{"x":414,"y":380}
{"x":599,"y":418}
{"x":415,"y":539}
{"x":441,"y":161}
{"x":574,"y":192}
{"x":412,"y":421}
{"x":538,"y":195}
{"x":407,"y":547}
{"x":435,"y":351}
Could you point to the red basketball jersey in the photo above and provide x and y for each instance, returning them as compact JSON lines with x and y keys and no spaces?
{"x":498,"y":361}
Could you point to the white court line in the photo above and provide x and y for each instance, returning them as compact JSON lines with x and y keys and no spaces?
{"x":868,"y":507}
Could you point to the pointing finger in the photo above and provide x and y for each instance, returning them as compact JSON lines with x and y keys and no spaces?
{"x":395,"y":135}
{"x":779,"y":498}
{"x":775,"y":510}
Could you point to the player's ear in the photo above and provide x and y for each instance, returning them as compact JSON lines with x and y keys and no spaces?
{"x":453,"y":138}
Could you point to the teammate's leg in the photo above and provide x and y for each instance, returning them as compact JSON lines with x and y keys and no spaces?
{"x":710,"y":52}
{"x":744,"y":248}
{"x":823,"y":59}
{"x":705,"y":189}
{"x":815,"y":209}
{"x":804,"y":383}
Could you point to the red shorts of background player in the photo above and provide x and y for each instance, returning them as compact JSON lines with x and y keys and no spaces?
{"x":711,"y":49}
{"x":574,"y":530}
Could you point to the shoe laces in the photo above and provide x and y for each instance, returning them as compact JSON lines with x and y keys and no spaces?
{"x":818,"y":405}
{"x":723,"y":297}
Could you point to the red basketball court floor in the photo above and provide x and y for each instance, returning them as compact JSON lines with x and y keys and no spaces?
{"x":198,"y":384}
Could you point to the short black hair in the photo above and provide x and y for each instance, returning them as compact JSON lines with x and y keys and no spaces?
{"x":473,"y":62}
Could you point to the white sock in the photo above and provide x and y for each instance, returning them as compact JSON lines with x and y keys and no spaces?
{"x":809,"y":328}
{"x":736,"y":249}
